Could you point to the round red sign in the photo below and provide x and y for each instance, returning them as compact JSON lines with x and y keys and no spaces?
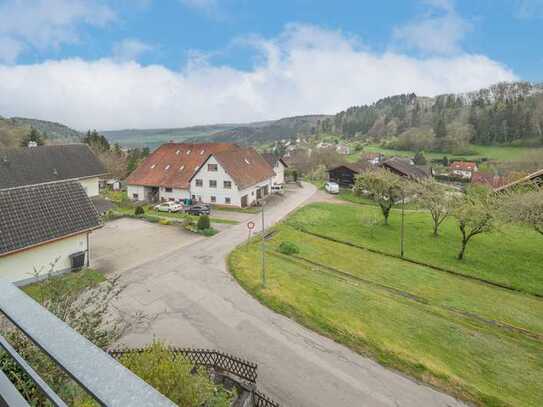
{"x":251,"y":225}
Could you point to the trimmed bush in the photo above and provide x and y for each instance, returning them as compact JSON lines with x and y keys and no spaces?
{"x":203,"y":222}
{"x":139,"y":211}
{"x":208,"y":232}
{"x":165,"y":222}
{"x":288,"y":248}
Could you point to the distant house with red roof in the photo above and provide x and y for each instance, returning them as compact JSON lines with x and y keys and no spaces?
{"x":463,"y":169}
{"x":226,"y":174}
{"x":373,"y":158}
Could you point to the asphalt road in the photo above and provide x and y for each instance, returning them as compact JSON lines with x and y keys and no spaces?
{"x":197,"y":303}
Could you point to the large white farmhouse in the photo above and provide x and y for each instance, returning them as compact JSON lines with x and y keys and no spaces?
{"x":218,"y":173}
{"x":44,"y":229}
{"x":238,"y":178}
{"x":51,"y":163}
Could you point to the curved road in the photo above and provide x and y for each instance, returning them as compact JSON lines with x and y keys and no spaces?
{"x":197,"y":303}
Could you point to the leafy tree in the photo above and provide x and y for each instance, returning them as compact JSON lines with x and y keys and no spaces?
{"x":436,"y":198}
{"x":440,"y":128}
{"x":32,"y":136}
{"x":381,"y":186}
{"x":420,"y":159}
{"x":475,"y":214}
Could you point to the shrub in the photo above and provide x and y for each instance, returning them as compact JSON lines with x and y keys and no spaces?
{"x":288,"y":248}
{"x":152,"y":219}
{"x":139,"y":211}
{"x":165,"y":222}
{"x":175,"y":377}
{"x":208,"y":232}
{"x":203,"y":222}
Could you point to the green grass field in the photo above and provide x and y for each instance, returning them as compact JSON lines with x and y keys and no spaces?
{"x":74,"y":281}
{"x":511,"y":255}
{"x":474,"y":340}
{"x":497,"y":153}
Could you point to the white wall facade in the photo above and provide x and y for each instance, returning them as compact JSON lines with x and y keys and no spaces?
{"x":20,"y":267}
{"x":279,"y":177}
{"x":205,"y":193}
{"x":91,"y":186}
{"x":175,"y":194}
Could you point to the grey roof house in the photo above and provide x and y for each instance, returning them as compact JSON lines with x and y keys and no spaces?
{"x":51,"y":163}
{"x":44,"y":228}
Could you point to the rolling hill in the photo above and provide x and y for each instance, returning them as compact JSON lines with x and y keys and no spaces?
{"x":12,"y":130}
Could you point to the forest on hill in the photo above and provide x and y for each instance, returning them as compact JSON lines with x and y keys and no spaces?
{"x":503,"y":114}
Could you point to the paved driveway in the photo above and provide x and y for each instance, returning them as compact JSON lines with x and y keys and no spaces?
{"x":197,"y":303}
{"x":126,"y":243}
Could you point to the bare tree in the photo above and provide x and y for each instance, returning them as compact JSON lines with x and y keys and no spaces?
{"x":381,"y":186}
{"x":437,"y":199}
{"x":475,"y":213}
{"x":524,"y":207}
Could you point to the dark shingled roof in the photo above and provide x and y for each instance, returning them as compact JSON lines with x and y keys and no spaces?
{"x":357,"y":168}
{"x":40,"y":213}
{"x":37,"y":165}
{"x":405,"y":168}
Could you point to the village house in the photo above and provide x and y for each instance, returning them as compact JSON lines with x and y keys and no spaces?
{"x":343,"y":149}
{"x":404,"y":167}
{"x":218,"y":173}
{"x":44,"y":229}
{"x":279,"y":166}
{"x":51,"y":163}
{"x":463,"y":169}
{"x":239,"y":178}
{"x":373,"y":158}
{"x":165,"y":174}
{"x":345,"y":174}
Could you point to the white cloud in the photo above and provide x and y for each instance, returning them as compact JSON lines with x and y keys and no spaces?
{"x":439,"y":31}
{"x":130,"y":49}
{"x":44,"y":24}
{"x":304,"y":70}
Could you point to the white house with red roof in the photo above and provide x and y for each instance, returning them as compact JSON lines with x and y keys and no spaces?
{"x":463,"y":169}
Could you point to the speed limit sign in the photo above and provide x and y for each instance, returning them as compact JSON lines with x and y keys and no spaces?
{"x":251,"y":225}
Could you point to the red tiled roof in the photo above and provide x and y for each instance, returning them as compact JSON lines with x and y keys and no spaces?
{"x":172,"y":165}
{"x":463,"y":165}
{"x":245,"y":166}
{"x":494,"y":181}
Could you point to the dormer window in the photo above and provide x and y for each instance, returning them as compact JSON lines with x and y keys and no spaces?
{"x":181,"y":168}
{"x":178,"y":152}
{"x":202,"y":152}
{"x":246,"y":161}
{"x":188,"y":152}
{"x":167,"y":167}
{"x":153,"y":166}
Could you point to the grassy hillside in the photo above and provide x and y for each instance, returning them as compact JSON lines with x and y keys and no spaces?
{"x":12,"y":131}
{"x":440,"y":327}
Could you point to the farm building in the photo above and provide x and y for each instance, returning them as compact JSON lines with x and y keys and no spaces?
{"x":345,"y":174}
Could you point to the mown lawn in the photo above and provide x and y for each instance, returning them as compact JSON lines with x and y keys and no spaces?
{"x":510,"y":256}
{"x":498,"y":153}
{"x":471,"y":339}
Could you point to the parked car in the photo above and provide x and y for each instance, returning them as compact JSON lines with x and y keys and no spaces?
{"x":198,"y":209}
{"x":331,"y":187}
{"x":168,"y":207}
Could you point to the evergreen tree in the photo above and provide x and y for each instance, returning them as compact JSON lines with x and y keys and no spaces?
{"x":33,"y":136}
{"x":420,"y":159}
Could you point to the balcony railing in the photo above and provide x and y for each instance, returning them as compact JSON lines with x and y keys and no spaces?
{"x":100,"y":375}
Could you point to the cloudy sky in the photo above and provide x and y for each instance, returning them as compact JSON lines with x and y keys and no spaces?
{"x":171,"y":63}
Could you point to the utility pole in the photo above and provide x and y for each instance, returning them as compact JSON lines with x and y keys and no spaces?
{"x":403,"y":226}
{"x":263,"y":251}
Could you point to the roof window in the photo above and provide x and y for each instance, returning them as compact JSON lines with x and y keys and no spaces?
{"x":178,"y":152}
{"x":153,"y":166}
{"x":167,"y":167}
{"x":247,"y":161}
{"x":202,"y":152}
{"x":181,"y":168}
{"x":188,"y":152}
